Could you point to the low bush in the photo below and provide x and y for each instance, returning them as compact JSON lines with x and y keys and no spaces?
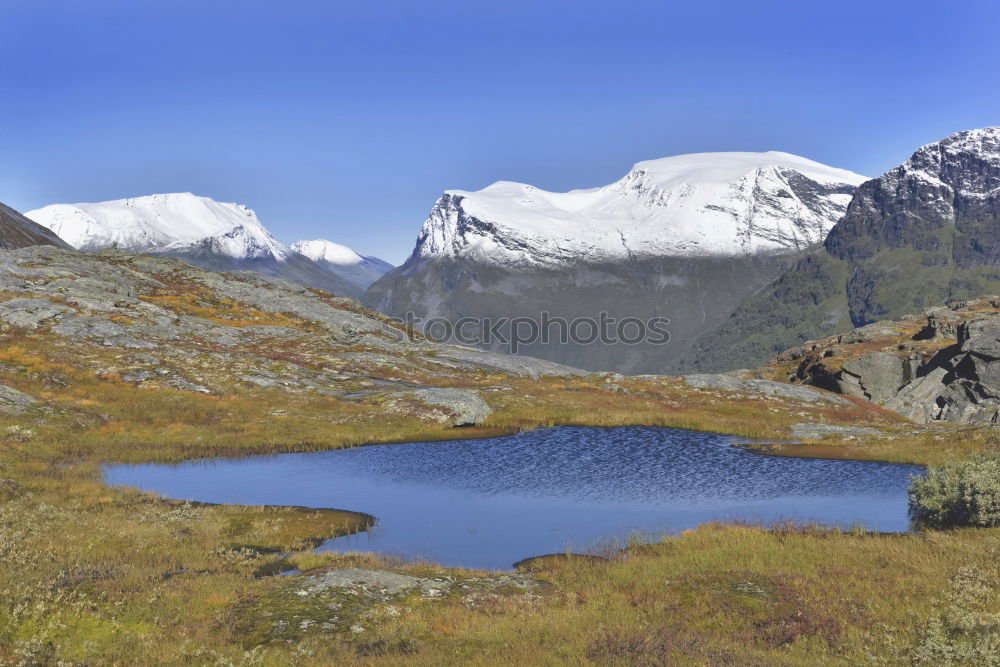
{"x":960,"y":493}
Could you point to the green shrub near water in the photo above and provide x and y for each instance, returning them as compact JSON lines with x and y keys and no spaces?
{"x":960,"y":493}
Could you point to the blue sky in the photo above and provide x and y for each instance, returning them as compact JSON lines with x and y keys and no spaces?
{"x":346,"y":120}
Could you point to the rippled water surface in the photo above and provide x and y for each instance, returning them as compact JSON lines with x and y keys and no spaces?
{"x":489,"y":503}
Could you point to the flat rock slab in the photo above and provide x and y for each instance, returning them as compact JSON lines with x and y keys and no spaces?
{"x":807,"y":431}
{"x":89,"y":327}
{"x":13,"y":401}
{"x":385,"y":584}
{"x":390,"y":583}
{"x":509,"y":363}
{"x":766,"y":387}
{"x":30,"y":313}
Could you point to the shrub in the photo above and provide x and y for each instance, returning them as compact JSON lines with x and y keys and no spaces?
{"x":960,"y":493}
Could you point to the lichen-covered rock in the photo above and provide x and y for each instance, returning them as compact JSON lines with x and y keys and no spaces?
{"x":89,"y":327}
{"x":730,"y":382}
{"x":389,"y":583}
{"x":466,"y":406}
{"x":30,"y":313}
{"x":223,"y":333}
{"x":867,"y":333}
{"x":13,"y":401}
{"x":806,"y":431}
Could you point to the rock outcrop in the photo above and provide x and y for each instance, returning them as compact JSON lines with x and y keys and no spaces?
{"x":13,"y":401}
{"x":466,"y":407}
{"x":733,"y":382}
{"x":942,"y":367}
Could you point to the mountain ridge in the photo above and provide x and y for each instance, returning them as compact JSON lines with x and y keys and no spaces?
{"x":923,"y":234}
{"x":699,"y":204}
{"x":214,"y":235}
{"x":634,"y":248}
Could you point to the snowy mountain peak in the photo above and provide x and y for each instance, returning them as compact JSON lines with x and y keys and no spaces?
{"x":953,"y":183}
{"x":327,"y":251}
{"x":357,"y":269}
{"x":686,"y":205}
{"x":155,"y":222}
{"x":210,"y":234}
{"x":983,"y":140}
{"x":950,"y":161}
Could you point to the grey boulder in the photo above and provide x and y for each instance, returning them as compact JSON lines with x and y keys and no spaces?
{"x":466,"y":405}
{"x":13,"y":401}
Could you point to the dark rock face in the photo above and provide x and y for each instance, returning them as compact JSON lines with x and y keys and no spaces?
{"x":945,"y":197}
{"x":17,"y":231}
{"x":925,"y":232}
{"x":804,"y":303}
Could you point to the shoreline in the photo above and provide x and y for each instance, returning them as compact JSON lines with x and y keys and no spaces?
{"x":363,"y":521}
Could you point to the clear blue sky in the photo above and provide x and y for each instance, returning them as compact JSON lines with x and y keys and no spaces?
{"x":346,"y":120}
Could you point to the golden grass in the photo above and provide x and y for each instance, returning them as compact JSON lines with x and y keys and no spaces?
{"x":109,"y":576}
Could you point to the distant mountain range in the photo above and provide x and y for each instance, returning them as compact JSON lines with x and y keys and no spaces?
{"x":343,"y":261}
{"x":210,"y":234}
{"x":747,"y":254}
{"x":687,"y":238}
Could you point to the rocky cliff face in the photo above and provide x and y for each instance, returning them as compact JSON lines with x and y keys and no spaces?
{"x":925,"y":233}
{"x":942,"y":366}
{"x":943,"y":201}
{"x":17,"y":231}
{"x":683,"y":238}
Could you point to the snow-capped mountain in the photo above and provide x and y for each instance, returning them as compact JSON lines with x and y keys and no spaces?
{"x":720,"y":204}
{"x":359,"y":269}
{"x":159,"y":222}
{"x":211,"y":234}
{"x":684,"y":238}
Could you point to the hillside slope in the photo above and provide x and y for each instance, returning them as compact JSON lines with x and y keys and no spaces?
{"x":17,"y":231}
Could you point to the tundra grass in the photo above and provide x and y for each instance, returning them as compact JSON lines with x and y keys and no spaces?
{"x":95,"y":575}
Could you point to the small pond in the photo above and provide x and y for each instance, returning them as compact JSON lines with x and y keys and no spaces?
{"x":488,"y":503}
